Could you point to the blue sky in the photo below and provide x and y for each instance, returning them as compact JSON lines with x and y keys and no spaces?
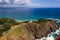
{"x":35,"y":3}
{"x":48,"y":3}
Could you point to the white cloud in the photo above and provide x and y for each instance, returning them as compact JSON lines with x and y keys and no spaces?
{"x":28,"y":3}
{"x":22,"y":1}
{"x":34,"y":5}
{"x":7,"y":1}
{"x":0,"y":0}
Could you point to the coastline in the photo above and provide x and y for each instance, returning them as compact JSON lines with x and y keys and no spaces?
{"x":25,"y":20}
{"x":37,"y":23}
{"x":19,"y":20}
{"x":50,"y":36}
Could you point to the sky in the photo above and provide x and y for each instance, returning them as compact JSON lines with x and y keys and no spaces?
{"x":32,"y":3}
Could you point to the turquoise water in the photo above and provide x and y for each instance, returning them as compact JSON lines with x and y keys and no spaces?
{"x":30,"y":13}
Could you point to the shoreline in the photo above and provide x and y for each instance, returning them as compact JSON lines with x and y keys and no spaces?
{"x":58,"y":20}
{"x":50,"y":36}
{"x":24,"y":20}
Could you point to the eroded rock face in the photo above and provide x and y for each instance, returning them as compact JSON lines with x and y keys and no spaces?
{"x":31,"y":31}
{"x":42,"y":29}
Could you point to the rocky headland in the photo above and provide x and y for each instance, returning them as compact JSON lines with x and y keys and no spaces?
{"x":27,"y":30}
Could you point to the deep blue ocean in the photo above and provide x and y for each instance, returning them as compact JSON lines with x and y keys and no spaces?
{"x":30,"y":13}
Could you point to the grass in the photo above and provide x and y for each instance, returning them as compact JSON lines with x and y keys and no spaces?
{"x":19,"y":29}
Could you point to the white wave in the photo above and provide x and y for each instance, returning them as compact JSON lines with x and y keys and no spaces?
{"x":57,"y":32}
{"x":58,"y":20}
{"x":50,"y":37}
{"x":52,"y":18}
{"x":18,"y":20}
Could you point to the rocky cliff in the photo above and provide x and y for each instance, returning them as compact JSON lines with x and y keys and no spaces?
{"x":31,"y":31}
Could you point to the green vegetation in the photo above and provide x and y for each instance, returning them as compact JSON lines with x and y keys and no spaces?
{"x":44,"y":20}
{"x":18,"y":30}
{"x":7,"y":20}
{"x":6,"y":23}
{"x":35,"y":29}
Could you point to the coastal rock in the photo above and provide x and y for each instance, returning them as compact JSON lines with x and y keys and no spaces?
{"x":42,"y":29}
{"x":31,"y":31}
{"x":58,"y":37}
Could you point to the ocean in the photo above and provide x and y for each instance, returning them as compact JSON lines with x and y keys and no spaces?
{"x":23,"y":14}
{"x":30,"y":13}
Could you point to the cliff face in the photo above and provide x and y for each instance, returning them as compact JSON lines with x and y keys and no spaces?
{"x":42,"y":29}
{"x":31,"y":31}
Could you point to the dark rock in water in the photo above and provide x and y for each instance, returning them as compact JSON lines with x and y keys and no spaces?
{"x":31,"y":31}
{"x":58,"y":37}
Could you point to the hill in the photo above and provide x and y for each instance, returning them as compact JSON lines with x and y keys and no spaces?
{"x":31,"y":31}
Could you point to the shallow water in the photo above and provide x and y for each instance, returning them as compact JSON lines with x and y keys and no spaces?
{"x":30,"y":13}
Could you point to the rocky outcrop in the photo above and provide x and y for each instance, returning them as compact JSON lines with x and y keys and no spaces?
{"x":42,"y":29}
{"x":31,"y":31}
{"x":58,"y":37}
